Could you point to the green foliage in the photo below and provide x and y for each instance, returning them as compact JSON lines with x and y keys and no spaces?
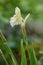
{"x":14,"y":35}
{"x":23,"y":56}
{"x":32,"y":56}
{"x":31,"y":53}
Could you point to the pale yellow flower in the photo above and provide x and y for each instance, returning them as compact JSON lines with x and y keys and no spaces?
{"x":16,"y":19}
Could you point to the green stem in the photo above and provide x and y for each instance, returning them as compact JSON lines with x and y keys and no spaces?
{"x":31,"y":51}
{"x":23,"y":55}
{"x":24,"y":35}
{"x":4,"y":57}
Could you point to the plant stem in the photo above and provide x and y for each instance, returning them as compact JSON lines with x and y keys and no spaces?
{"x":31,"y":51}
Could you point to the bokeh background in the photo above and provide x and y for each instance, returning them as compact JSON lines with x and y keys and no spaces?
{"x":34,"y":25}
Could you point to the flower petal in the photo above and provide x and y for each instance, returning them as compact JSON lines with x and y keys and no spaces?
{"x":17,"y":18}
{"x":17,"y":11}
{"x":12,"y":21}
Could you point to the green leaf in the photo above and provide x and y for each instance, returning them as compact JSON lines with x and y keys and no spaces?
{"x":32,"y":57}
{"x":11,"y":54}
{"x":4,"y":42}
{"x":23,"y":56}
{"x":3,"y":57}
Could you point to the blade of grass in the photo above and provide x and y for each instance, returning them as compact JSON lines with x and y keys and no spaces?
{"x":32,"y":57}
{"x":23,"y":56}
{"x":10,"y":51}
{"x":3,"y":57}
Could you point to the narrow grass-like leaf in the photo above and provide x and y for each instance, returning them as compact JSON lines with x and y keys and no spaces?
{"x":3,"y":57}
{"x":10,"y":52}
{"x":32,"y":57}
{"x":23,"y":56}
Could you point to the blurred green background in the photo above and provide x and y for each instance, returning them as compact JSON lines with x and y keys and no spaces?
{"x":34,"y":25}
